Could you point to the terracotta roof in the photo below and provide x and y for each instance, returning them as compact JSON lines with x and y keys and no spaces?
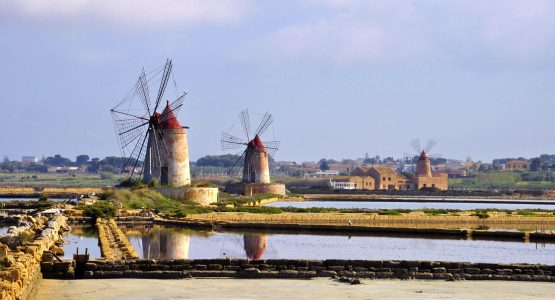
{"x":257,"y":144}
{"x":385,"y":170}
{"x":168,"y":119}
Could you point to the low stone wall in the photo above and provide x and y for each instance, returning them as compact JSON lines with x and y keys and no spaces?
{"x":252,"y":189}
{"x":113,"y":242}
{"x":295,"y":269}
{"x":200,"y":195}
{"x":21,"y":274}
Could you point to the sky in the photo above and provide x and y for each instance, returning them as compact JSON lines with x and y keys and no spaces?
{"x":341,"y":78}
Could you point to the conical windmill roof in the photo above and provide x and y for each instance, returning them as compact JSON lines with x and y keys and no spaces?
{"x":257,"y":144}
{"x":168,"y":119}
{"x":423,"y":155}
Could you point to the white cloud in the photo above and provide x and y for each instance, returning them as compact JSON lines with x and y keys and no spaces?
{"x":127,"y":12}
{"x":402,"y":31}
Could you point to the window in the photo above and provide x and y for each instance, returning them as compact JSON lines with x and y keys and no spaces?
{"x":424,"y":185}
{"x":389,"y":178}
{"x":433,"y":185}
{"x":383,"y":179}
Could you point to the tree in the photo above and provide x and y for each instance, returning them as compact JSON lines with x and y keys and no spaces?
{"x":536,"y":164}
{"x":324,"y":165}
{"x":82,"y":159}
{"x":225,"y":161}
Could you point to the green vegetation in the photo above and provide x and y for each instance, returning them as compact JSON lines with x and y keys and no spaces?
{"x":435,"y":211}
{"x":482,"y":214}
{"x":389,"y":213}
{"x":101,"y":209}
{"x":65,"y":180}
{"x":527,"y":213}
{"x":506,"y":179}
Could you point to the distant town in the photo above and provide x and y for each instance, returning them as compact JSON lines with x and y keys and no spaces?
{"x":516,"y":172}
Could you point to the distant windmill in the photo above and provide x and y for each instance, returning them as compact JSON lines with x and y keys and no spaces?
{"x":150,"y":136}
{"x":256,"y":152}
{"x":423,"y":165}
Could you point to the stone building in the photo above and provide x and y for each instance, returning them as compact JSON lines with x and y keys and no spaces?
{"x":424,"y":178}
{"x":516,"y":165}
{"x":385,"y":178}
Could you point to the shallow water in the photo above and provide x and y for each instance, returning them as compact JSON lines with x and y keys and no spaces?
{"x":163,"y":242}
{"x":4,"y":228}
{"x":408,"y":205}
{"x":82,"y":236}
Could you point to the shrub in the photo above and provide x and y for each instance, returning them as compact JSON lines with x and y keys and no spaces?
{"x":153,"y":182}
{"x":482,"y":214}
{"x":389,"y":213}
{"x":43,"y":198}
{"x":435,"y":211}
{"x":526,"y":213}
{"x":101,"y":209}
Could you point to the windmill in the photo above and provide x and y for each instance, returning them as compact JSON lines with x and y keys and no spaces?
{"x":149,"y":134}
{"x":256,"y":152}
{"x":423,"y":166}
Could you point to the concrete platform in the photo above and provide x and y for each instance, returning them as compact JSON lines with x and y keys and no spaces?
{"x":123,"y":289}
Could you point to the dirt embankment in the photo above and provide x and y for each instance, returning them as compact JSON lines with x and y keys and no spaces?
{"x":502,"y":220}
{"x":24,"y":192}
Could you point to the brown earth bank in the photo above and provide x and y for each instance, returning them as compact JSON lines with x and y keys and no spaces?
{"x":320,"y":288}
{"x":26,"y":192}
{"x":413,"y":219}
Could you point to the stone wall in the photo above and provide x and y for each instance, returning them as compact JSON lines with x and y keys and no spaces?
{"x":203,"y":196}
{"x":295,"y":269}
{"x":21,"y":273}
{"x":113,"y":242}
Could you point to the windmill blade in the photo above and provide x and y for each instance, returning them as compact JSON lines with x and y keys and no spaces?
{"x":234,"y":167}
{"x":175,"y":106}
{"x":415,"y":144}
{"x":143,"y":92}
{"x":136,"y":154}
{"x":164,"y":151}
{"x":163,"y":83}
{"x":230,"y":142}
{"x":429,"y":145}
{"x":272,"y":147}
{"x":246,"y":123}
{"x":128,"y":129}
{"x":266,"y":121}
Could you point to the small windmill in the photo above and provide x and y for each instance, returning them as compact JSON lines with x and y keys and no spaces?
{"x":150,"y":136}
{"x":423,"y":166}
{"x":256,"y":151}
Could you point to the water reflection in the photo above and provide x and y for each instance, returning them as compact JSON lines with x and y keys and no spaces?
{"x":154,"y":242}
{"x":82,"y":237}
{"x":166,"y":242}
{"x":4,"y":229}
{"x":255,"y":245}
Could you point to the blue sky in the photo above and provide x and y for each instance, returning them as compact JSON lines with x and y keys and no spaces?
{"x":342,"y":78}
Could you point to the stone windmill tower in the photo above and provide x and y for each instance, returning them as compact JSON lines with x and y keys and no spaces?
{"x":423,"y":177}
{"x":154,"y":142}
{"x":256,"y":153}
{"x":255,"y":156}
{"x":423,"y":165}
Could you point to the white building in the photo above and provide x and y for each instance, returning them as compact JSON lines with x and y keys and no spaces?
{"x":29,"y":159}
